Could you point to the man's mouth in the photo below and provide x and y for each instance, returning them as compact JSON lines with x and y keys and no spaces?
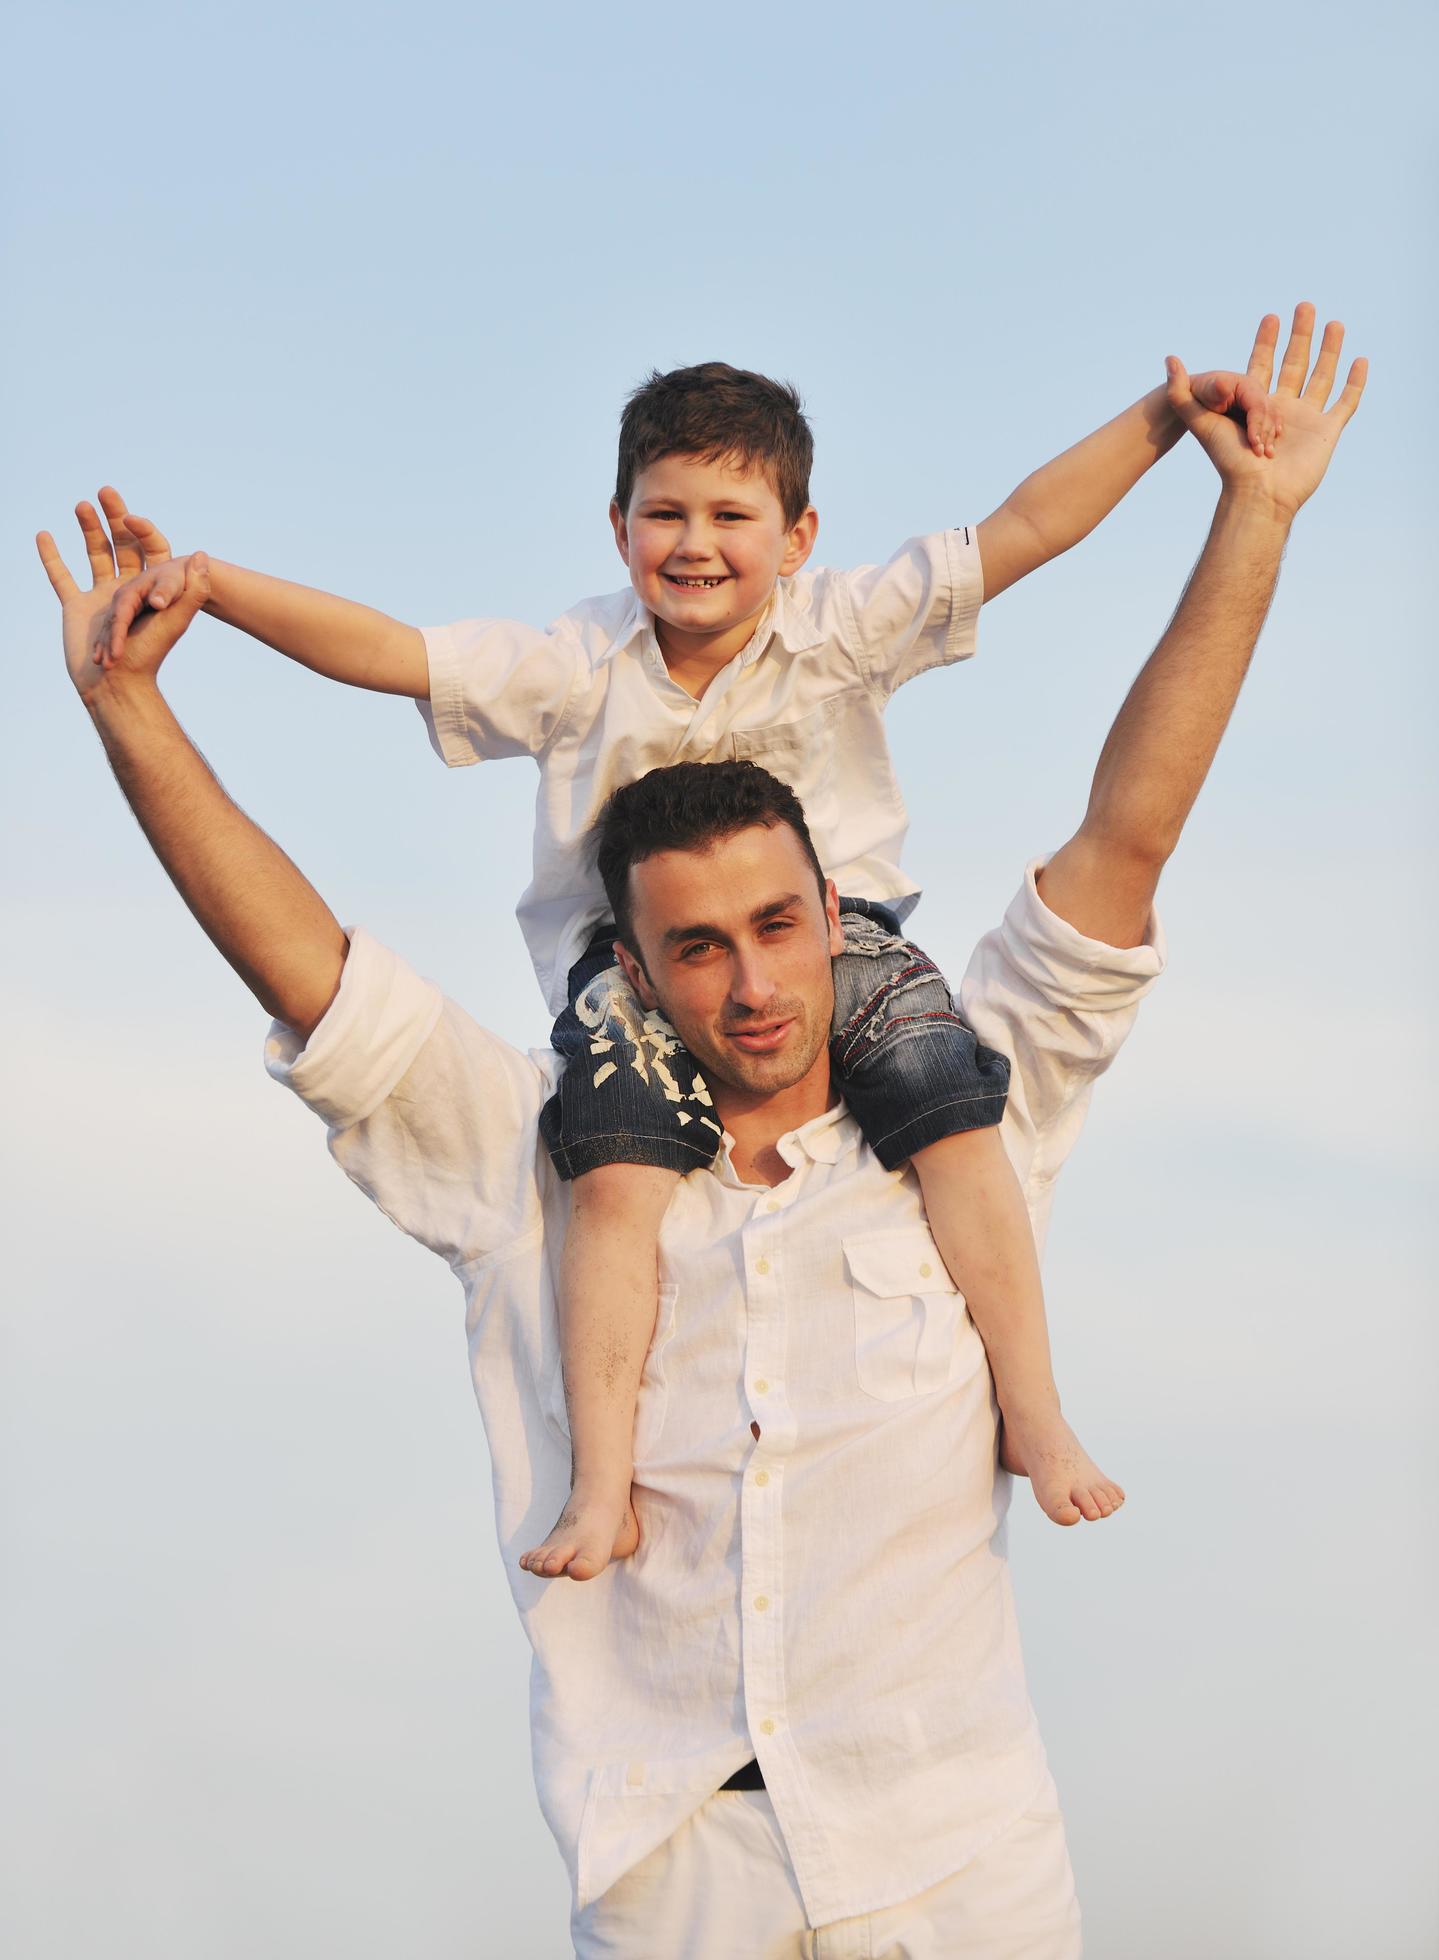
{"x":693,"y":584}
{"x":761,"y":1040}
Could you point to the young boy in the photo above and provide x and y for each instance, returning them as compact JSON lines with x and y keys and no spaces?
{"x":723,"y":649}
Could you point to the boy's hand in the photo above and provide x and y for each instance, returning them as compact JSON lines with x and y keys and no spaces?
{"x":1245,"y":397}
{"x":1290,"y":476}
{"x":86,"y":616}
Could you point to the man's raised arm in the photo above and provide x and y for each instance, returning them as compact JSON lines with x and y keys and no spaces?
{"x":1164,"y":739}
{"x":268,"y":921}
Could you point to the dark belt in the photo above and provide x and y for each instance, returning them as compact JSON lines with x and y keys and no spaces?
{"x":746,"y":1778}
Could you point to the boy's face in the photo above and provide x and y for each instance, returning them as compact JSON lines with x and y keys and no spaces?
{"x":704,"y":543}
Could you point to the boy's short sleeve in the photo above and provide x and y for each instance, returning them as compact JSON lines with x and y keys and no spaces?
{"x":497,"y":688}
{"x":920,"y":610}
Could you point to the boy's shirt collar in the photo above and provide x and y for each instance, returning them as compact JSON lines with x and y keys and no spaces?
{"x":786,"y":618}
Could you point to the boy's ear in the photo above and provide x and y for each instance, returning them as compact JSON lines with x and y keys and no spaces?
{"x":621,"y":530}
{"x":800,"y":542}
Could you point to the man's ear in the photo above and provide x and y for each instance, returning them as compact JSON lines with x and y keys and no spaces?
{"x":831,"y":912}
{"x":800,"y":542}
{"x":637,"y":977}
{"x":621,"y":530}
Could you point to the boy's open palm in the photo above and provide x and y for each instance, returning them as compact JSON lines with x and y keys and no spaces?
{"x":117,"y":558}
{"x":1294,"y":471}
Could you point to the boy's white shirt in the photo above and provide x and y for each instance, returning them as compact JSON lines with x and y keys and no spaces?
{"x":590,"y":698}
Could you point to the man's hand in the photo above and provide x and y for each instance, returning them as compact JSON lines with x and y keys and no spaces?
{"x":87,"y":616}
{"x":1286,"y":475}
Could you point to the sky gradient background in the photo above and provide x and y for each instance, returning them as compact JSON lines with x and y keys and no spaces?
{"x":354,"y":295}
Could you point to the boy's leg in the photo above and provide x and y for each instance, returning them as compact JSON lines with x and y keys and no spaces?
{"x":924,"y":1091}
{"x":608,"y":1286}
{"x":981,"y":1226}
{"x":630,"y":1117}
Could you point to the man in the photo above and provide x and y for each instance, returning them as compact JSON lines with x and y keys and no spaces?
{"x":796,"y":1721}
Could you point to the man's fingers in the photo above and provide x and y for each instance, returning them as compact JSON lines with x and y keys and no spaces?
{"x":1327,"y":365}
{"x":1349,"y":396}
{"x":153,"y":542}
{"x":97,"y":543}
{"x":129,"y":558}
{"x":1261,"y":359}
{"x":56,"y":570}
{"x":1295,"y":364}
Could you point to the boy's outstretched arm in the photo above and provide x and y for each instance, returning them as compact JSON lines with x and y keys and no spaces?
{"x":334,"y":637}
{"x":1062,"y":502}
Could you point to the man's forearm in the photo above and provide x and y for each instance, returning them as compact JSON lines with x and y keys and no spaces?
{"x":1158,"y":753}
{"x":264,"y":917}
{"x":1062,"y":502}
{"x":335,"y":637}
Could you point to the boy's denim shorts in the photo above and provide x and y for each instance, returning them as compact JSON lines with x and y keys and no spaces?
{"x":910,"y":1070}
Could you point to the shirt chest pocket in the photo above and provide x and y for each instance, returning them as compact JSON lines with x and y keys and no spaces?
{"x":802,"y":754}
{"x":907,"y":1314}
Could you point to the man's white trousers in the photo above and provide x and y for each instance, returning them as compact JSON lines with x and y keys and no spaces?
{"x":721,"y":1889}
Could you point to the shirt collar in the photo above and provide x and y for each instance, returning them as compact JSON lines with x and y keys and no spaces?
{"x":823,"y":1140}
{"x":787,"y":619}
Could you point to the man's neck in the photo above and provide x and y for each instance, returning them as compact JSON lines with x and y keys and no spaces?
{"x":757,"y":1123}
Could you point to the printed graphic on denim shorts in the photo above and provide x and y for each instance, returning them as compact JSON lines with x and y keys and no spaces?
{"x":623,"y":1034}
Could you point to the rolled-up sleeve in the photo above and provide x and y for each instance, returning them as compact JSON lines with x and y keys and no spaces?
{"x":497,"y":688}
{"x":434,"y":1118}
{"x":920,"y":610}
{"x":1060,"y":1006}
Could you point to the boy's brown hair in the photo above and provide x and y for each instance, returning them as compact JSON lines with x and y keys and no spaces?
{"x":719,"y":413}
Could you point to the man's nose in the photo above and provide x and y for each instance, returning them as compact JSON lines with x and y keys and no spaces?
{"x":751,"y":984}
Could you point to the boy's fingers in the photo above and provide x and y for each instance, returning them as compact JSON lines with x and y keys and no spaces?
{"x":1261,"y":359}
{"x":56,"y":570}
{"x":1181,"y":396}
{"x":1295,"y":364}
{"x":124,"y":608}
{"x":1326,"y":366}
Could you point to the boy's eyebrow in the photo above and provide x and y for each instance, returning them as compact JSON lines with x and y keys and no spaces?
{"x":673,"y":935}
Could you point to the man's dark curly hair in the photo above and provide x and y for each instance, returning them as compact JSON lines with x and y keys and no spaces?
{"x":685,"y":808}
{"x":718,"y":413}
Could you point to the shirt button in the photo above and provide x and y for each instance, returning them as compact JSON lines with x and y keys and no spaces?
{"x":926,"y":1270}
{"x":766,"y":1727}
{"x":761,"y":1605}
{"x":761,"y":1387}
{"x":761,"y":1477}
{"x":771,"y":1204}
{"x":761,"y":1265}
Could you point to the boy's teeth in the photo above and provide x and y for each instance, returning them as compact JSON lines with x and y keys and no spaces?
{"x":706,"y":582}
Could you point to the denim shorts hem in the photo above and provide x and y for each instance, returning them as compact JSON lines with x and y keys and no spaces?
{"x":949,"y":1119}
{"x":666,"y":1153}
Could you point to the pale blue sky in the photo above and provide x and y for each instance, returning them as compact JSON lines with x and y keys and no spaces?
{"x":354,"y":294}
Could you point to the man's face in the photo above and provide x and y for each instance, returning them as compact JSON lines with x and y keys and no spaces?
{"x":705,"y":542}
{"x":736,"y":944}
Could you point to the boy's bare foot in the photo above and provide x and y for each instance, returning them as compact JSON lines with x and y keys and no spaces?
{"x":1068,"y":1483}
{"x":591,"y":1530}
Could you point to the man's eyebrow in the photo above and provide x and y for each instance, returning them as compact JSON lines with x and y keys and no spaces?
{"x":673,"y":935}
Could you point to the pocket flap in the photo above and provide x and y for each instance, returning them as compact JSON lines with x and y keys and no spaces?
{"x":893,"y":1263}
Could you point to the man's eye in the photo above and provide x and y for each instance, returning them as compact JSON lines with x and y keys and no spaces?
{"x":778,"y":925}
{"x":697,"y":949}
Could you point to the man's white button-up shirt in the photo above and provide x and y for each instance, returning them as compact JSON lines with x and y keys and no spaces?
{"x":821,"y":1580}
{"x":591,"y":700}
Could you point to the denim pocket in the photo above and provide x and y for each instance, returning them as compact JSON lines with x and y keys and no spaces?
{"x":907,"y":1313}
